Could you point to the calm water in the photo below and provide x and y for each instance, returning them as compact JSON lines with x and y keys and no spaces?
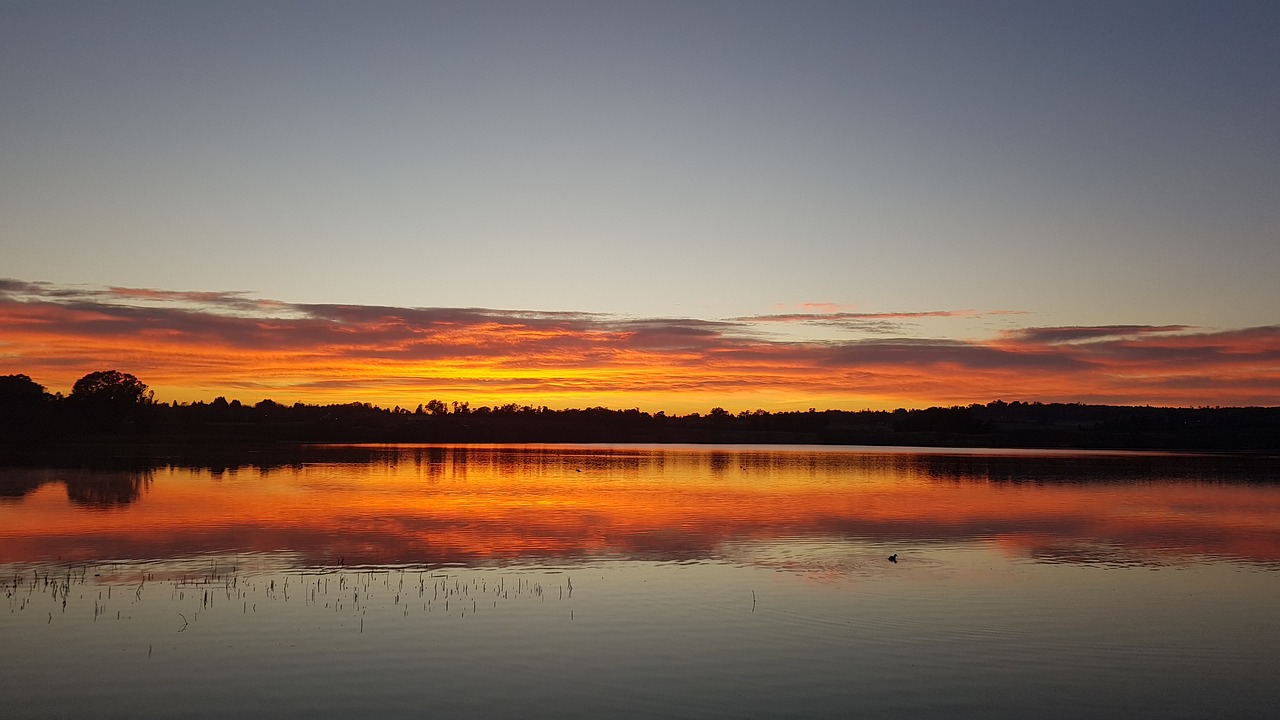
{"x":548,"y":581}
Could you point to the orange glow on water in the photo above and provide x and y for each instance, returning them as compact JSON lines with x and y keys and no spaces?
{"x":486,"y":504}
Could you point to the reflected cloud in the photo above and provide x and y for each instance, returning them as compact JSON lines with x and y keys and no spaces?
{"x":484,"y":505}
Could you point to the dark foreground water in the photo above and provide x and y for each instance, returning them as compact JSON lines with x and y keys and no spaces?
{"x":582,"y":582}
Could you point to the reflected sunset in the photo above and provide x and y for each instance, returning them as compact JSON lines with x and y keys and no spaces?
{"x":315,"y":573}
{"x":484,"y":505}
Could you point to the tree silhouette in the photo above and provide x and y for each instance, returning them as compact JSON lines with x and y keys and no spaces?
{"x":110,"y":401}
{"x":23,"y":403}
{"x":111,"y":387}
{"x":117,"y":407}
{"x":20,"y":390}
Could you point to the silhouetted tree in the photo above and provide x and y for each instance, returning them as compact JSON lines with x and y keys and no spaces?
{"x":109,"y":401}
{"x":116,"y":405}
{"x":111,"y":387}
{"x":20,"y":390}
{"x":22,"y":405}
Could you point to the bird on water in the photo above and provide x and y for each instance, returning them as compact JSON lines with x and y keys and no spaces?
{"x":893,"y":558}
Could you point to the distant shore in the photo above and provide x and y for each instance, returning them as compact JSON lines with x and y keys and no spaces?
{"x":152,"y":428}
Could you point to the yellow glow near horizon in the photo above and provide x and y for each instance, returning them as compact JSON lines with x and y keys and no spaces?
{"x":399,"y":356}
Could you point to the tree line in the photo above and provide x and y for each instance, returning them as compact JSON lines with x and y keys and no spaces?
{"x":114,"y":407}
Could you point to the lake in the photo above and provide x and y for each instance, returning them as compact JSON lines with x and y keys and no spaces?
{"x":641,"y":581}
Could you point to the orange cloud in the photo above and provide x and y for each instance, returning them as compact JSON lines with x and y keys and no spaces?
{"x":191,"y":346}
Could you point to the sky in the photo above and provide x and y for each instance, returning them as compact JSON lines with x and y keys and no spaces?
{"x":670,"y":206}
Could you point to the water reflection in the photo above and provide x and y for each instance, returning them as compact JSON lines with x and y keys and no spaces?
{"x":641,"y":582}
{"x":90,"y":489}
{"x":481,"y":505}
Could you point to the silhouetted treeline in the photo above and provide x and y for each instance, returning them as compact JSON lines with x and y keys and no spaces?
{"x":114,"y":406}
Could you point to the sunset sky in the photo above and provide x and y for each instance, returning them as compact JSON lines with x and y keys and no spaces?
{"x":669,"y":206}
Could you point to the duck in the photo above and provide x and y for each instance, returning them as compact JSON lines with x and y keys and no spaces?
{"x":893,"y":558}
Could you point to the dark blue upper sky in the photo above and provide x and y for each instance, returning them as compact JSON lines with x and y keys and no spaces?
{"x":1086,"y":162}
